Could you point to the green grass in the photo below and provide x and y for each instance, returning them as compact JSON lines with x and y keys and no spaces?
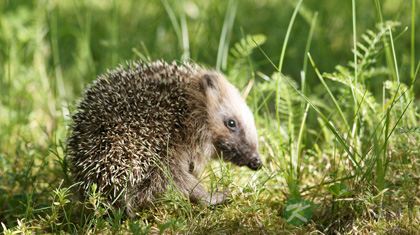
{"x":334,"y":92}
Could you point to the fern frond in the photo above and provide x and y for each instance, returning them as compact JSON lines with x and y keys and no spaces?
{"x":367,"y":52}
{"x":374,"y":44}
{"x":244,"y":47}
{"x":240,"y":57}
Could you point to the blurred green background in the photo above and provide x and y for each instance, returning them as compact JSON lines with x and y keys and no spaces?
{"x":84,"y":38}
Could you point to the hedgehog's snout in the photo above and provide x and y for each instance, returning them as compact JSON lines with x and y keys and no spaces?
{"x":255,"y":162}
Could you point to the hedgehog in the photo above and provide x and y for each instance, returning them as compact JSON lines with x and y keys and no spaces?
{"x":141,"y":128}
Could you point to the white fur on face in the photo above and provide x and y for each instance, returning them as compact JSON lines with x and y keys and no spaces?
{"x":227,"y":103}
{"x":235,"y":106}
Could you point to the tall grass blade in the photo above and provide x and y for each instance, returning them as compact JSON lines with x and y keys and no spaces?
{"x":413,"y":42}
{"x":299,"y":146}
{"x":282,"y":55}
{"x":329,"y":92}
{"x":353,"y":10}
{"x":394,"y":57}
{"x":307,"y":47}
{"x":222,"y":52}
{"x":185,"y":39}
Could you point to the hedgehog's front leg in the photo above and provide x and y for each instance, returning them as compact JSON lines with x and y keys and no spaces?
{"x":191,"y":187}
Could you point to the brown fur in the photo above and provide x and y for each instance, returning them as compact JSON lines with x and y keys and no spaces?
{"x":135,"y":126}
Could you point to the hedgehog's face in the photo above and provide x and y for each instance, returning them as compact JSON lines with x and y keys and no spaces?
{"x":232,"y":127}
{"x":237,"y":143}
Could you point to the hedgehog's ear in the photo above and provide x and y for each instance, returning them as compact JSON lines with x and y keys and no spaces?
{"x":208,"y":83}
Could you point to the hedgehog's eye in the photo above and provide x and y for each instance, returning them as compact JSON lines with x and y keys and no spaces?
{"x":231,"y":124}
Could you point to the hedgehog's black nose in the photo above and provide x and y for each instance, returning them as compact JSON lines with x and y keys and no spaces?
{"x":254,"y":162}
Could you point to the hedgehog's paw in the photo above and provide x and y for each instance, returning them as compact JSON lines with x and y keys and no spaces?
{"x":218,"y":198}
